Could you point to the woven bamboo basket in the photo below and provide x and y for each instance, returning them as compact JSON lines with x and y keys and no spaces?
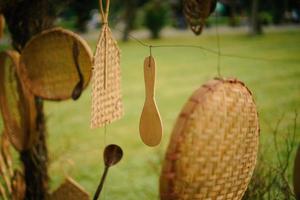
{"x":213,"y":147}
{"x":69,"y":190}
{"x":297,"y":175}
{"x":16,"y":103}
{"x":196,"y":12}
{"x":107,"y":103}
{"x":48,"y":67}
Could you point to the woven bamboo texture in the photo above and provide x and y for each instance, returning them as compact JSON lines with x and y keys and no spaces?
{"x":196,"y":12}
{"x":48,"y":67}
{"x":69,"y":190}
{"x":2,"y":26}
{"x":5,"y":168}
{"x":16,"y":103}
{"x":12,"y":185}
{"x":297,"y":175}
{"x":107,"y":103}
{"x":213,"y":147}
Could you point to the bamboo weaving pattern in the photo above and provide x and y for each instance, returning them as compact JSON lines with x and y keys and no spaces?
{"x":213,"y":147}
{"x":107,"y":105}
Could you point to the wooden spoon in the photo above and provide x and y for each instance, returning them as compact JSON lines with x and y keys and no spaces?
{"x":150,"y":122}
{"x":112,"y":155}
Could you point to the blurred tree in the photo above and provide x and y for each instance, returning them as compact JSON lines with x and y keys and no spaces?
{"x":155,"y":17}
{"x":26,"y":18}
{"x":82,"y":10}
{"x":130,"y":15}
{"x":256,"y":26}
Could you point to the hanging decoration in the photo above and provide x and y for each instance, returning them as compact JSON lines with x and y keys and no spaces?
{"x":196,"y":12}
{"x":112,"y":155}
{"x":16,"y":103}
{"x":213,"y":148}
{"x":69,"y":190}
{"x":297,"y":175}
{"x":107,"y":105}
{"x":150,"y":123}
{"x":56,"y":65}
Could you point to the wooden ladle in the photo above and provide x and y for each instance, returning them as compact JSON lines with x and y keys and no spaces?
{"x":150,"y":122}
{"x":112,"y":155}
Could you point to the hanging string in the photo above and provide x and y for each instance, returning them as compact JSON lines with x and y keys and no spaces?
{"x":206,"y":49}
{"x":218,"y":44}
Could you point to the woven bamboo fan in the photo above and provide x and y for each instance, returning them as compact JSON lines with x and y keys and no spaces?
{"x":297,"y":175}
{"x":69,"y":190}
{"x":197,"y":11}
{"x":56,"y":64}
{"x":107,"y":103}
{"x":213,"y":147}
{"x":2,"y":26}
{"x":16,"y":104}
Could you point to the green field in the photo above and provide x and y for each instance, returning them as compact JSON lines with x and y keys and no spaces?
{"x":76,"y":150}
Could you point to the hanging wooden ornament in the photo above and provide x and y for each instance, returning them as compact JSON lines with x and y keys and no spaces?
{"x":56,"y":65}
{"x":297,"y":175}
{"x":197,"y":11}
{"x":69,"y":190}
{"x":2,"y":25}
{"x":150,"y":122}
{"x":213,"y":148}
{"x":107,"y":103}
{"x":16,"y":103}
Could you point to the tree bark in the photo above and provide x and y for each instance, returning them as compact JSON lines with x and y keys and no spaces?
{"x":26,"y":18}
{"x":256,"y":26}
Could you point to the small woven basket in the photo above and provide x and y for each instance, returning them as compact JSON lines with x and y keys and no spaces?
{"x":48,"y":67}
{"x":107,"y":103}
{"x":69,"y":190}
{"x":213,"y":147}
{"x":16,"y":103}
{"x":197,"y":11}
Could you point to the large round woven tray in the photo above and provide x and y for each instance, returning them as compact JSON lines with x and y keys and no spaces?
{"x":48,"y":67}
{"x":213,"y":147}
{"x":16,"y":104}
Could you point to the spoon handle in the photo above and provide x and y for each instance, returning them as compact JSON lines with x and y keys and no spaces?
{"x":100,"y":186}
{"x":149,"y":75}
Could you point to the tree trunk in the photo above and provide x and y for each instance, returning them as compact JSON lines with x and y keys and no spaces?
{"x":25,"y":19}
{"x":256,"y":26}
{"x":130,"y":14}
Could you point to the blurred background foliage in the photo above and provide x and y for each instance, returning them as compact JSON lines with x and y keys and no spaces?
{"x":155,"y":14}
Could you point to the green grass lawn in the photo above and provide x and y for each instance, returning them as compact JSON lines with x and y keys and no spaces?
{"x":76,"y":150}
